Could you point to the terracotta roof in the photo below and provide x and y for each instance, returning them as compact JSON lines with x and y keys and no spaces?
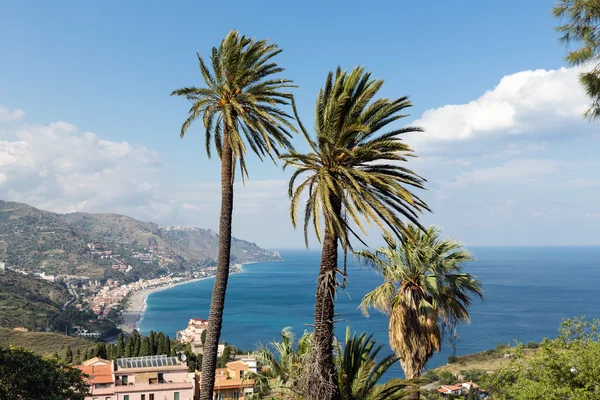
{"x":94,"y":360}
{"x":97,"y":373}
{"x":233,"y":383}
{"x":239,"y":365}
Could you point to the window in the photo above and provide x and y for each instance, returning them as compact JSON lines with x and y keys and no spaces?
{"x":152,"y":396}
{"x":236,"y":396}
{"x":161,"y":378}
{"x":124,"y":379}
{"x":176,"y":396}
{"x":107,"y":398}
{"x":143,"y":397}
{"x":126,"y":397}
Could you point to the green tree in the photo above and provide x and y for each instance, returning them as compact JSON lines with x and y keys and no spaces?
{"x":425,"y":292}
{"x":137,"y":339}
{"x":167,"y":345}
{"x":225,"y":357}
{"x":581,"y":28}
{"x":120,"y":345}
{"x":101,"y":351}
{"x":152,"y":343}
{"x":355,"y":173}
{"x":145,"y":347}
{"x":25,"y":375}
{"x":564,"y":368}
{"x":240,"y":100}
{"x":160,"y":344}
{"x":447,"y":378}
{"x":86,"y":355}
{"x":69,"y":355}
{"x":77,"y":359}
{"x":203,"y":337}
{"x":129,"y":347}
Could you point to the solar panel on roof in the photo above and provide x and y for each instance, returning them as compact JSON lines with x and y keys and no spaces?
{"x":146,"y":361}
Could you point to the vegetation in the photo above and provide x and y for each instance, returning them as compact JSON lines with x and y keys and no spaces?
{"x":582,"y":28}
{"x":354,"y":171}
{"x":28,"y":301}
{"x":564,"y":368}
{"x":25,"y":375}
{"x":358,"y":371}
{"x":239,"y":108}
{"x":425,"y":292}
{"x":43,"y":343}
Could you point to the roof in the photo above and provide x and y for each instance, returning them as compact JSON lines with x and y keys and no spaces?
{"x":97,"y":373}
{"x":95,"y":360}
{"x":233,"y":383}
{"x":450,"y":388}
{"x":239,"y":365}
{"x":147,"y":361}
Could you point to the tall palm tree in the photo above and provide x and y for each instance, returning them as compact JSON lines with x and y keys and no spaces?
{"x":239,"y":108}
{"x":582,"y":27}
{"x":357,"y":369}
{"x":355,"y":174}
{"x":425,"y":293}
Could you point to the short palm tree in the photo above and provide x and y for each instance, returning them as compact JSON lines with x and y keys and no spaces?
{"x":359,"y":372}
{"x":425,"y":292}
{"x":357,"y":369}
{"x":355,"y":174}
{"x":239,"y":107}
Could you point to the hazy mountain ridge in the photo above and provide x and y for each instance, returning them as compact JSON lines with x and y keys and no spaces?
{"x":102,"y":245}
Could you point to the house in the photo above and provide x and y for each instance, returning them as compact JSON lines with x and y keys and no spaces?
{"x":153,"y":378}
{"x":100,"y":377}
{"x":461,"y":389}
{"x":232,"y":382}
{"x":451,"y":389}
{"x":193,"y":334}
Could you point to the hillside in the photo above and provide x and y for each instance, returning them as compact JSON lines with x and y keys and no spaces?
{"x":108,"y":245}
{"x":28,"y":301}
{"x":44,"y":343}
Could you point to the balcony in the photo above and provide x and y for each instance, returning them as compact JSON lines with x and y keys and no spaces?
{"x":153,"y":387}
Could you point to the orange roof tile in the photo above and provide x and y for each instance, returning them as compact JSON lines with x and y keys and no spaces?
{"x":233,"y":383}
{"x":97,"y":373}
{"x":239,"y":365}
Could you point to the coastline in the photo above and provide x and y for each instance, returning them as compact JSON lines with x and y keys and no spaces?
{"x":132,"y":315}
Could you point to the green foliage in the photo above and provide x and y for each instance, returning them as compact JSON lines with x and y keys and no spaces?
{"x":581,"y":27}
{"x":145,"y":347}
{"x":425,"y":292}
{"x":532,"y":345}
{"x":356,"y":363}
{"x":25,"y":375}
{"x":69,"y":355}
{"x":473,"y":375}
{"x":354,"y":171}
{"x":43,"y":343}
{"x":452,"y":359}
{"x":101,"y":351}
{"x":203,"y":336}
{"x":430,"y":376}
{"x":447,"y":378}
{"x":225,"y":357}
{"x":564,"y":368}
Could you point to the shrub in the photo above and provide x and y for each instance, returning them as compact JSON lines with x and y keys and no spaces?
{"x":532,"y":345}
{"x":447,"y":378}
{"x":430,"y":376}
{"x":452,"y":359}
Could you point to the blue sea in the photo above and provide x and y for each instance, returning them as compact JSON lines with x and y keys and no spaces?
{"x":528,"y":292}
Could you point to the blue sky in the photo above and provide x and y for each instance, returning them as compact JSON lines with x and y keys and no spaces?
{"x":508,"y":158}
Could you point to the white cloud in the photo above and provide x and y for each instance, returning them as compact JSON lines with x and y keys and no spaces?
{"x":518,"y":171}
{"x":8,"y":115}
{"x":58,"y":168}
{"x":528,"y":102}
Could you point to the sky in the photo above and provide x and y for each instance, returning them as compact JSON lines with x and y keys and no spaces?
{"x":87,"y":123}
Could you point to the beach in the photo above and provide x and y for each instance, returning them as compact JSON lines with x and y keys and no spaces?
{"x":137,"y":304}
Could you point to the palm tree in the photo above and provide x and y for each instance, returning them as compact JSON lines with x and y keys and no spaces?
{"x":359,"y":372}
{"x":581,"y":27}
{"x":356,"y":366}
{"x":354,"y":172}
{"x":425,"y":292}
{"x":240,"y":101}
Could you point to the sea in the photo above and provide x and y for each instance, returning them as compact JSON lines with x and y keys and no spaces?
{"x":528,"y":291}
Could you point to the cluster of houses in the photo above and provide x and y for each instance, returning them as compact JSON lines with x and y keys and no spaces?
{"x":41,"y":275}
{"x":162,"y":378}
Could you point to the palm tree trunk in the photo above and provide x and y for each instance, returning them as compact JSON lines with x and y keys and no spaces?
{"x":215,"y":318}
{"x":322,"y":376}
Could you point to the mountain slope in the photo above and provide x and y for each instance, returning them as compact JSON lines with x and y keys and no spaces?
{"x":108,"y":245}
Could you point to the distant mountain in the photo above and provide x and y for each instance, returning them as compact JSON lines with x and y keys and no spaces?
{"x":108,"y":245}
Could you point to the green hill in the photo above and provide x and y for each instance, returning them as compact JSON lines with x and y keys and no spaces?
{"x":28,"y":301}
{"x":44,"y":343}
{"x":103,"y":245}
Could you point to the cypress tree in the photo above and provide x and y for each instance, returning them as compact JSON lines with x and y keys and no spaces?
{"x":145,"y":347}
{"x":137,"y":344}
{"x":160,"y":344}
{"x":120,"y":346}
{"x":167,"y":345}
{"x":86,"y":355}
{"x":69,"y":355}
{"x":129,"y":347}
{"x":77,"y":359}
{"x":101,"y":351}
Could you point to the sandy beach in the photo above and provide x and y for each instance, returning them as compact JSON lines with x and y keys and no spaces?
{"x":137,"y":304}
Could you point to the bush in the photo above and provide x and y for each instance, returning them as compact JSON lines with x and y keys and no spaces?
{"x":473,"y":375}
{"x":532,"y":345}
{"x":447,"y":378}
{"x":430,"y":376}
{"x":501,"y":347}
{"x":452,"y":359}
